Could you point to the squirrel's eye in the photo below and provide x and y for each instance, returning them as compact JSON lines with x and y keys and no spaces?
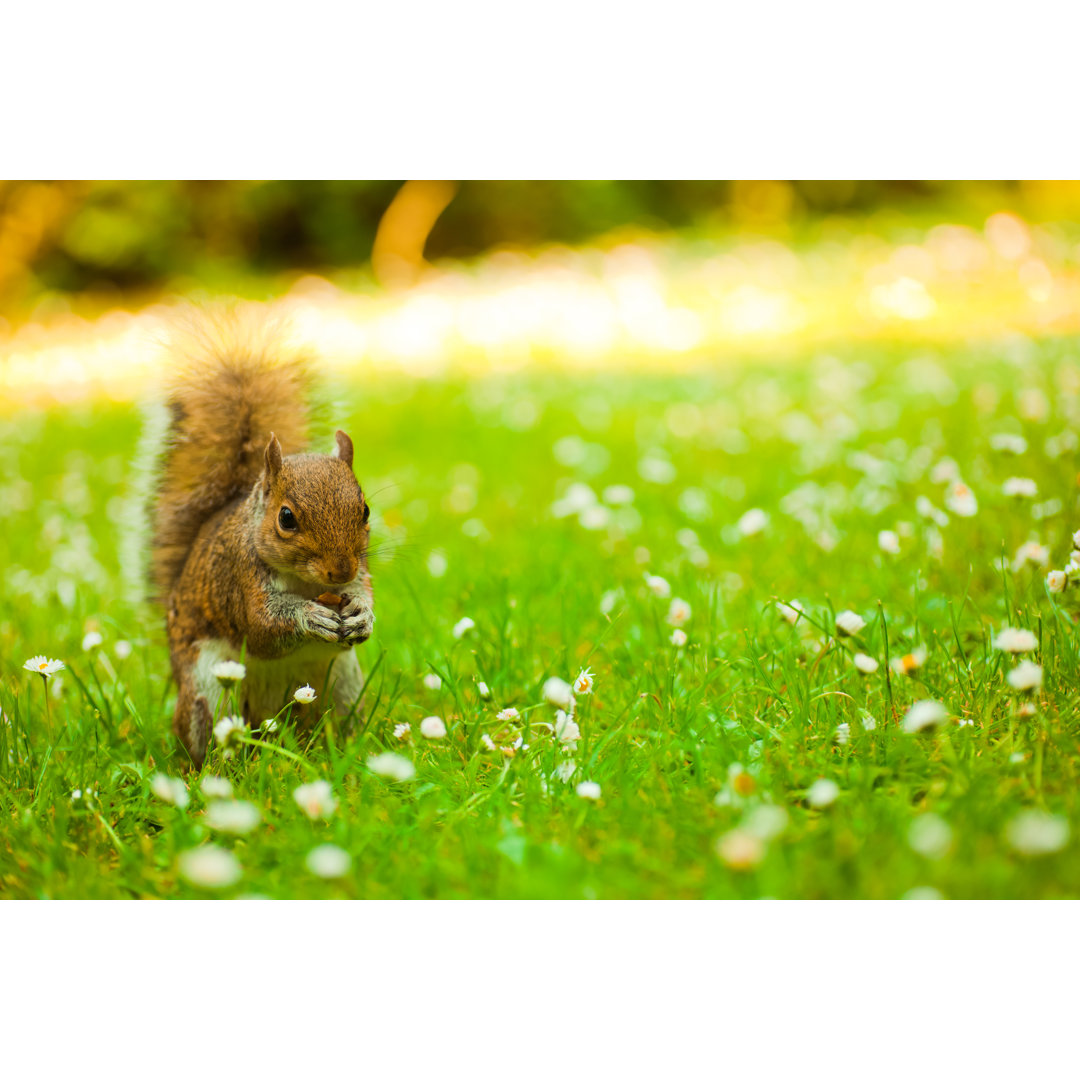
{"x":286,"y":519}
{"x":367,"y":514}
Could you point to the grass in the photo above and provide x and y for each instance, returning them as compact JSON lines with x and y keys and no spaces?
{"x":467,"y":480}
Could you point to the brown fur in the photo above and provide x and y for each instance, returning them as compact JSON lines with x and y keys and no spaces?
{"x":237,"y":581}
{"x":230,"y":388}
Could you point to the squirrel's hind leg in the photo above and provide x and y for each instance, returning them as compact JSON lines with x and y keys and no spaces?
{"x":191,"y":722}
{"x":194,"y":715}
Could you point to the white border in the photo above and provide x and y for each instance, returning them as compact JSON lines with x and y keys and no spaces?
{"x":538,"y":989}
{"x":227,"y":89}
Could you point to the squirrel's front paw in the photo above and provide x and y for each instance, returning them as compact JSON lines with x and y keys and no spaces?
{"x":356,"y":628}
{"x":320,"y":622}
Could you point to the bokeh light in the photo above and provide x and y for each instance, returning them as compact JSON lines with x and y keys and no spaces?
{"x":762,"y":280}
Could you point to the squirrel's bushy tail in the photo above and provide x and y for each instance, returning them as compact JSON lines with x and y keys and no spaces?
{"x":231,"y":383}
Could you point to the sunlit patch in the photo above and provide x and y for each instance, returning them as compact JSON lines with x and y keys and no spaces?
{"x":904,"y":298}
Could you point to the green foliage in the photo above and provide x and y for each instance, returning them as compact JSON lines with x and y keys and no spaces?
{"x":687,"y":744}
{"x":104,"y":236}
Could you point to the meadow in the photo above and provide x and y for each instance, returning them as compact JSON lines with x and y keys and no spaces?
{"x":763,"y":566}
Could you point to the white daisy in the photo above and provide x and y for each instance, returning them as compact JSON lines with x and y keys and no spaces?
{"x":270,"y":725}
{"x":462,"y":627}
{"x":328,"y":861}
{"x":1012,"y":640}
{"x":169,"y":789}
{"x":316,"y":799}
{"x":401,"y":731}
{"x":960,"y":499}
{"x":1033,"y":832}
{"x":566,"y":729}
{"x":658,"y":586}
{"x":925,"y":508}
{"x":866,"y":665}
{"x":1056,"y":581}
{"x":92,"y":640}
{"x":925,"y":716}
{"x":594,"y":517}
{"x":618,"y":495}
{"x":564,"y":770}
{"x":842,"y":734}
{"x":1025,"y":676}
{"x":791,"y":612}
{"x":215,"y":787}
{"x":229,"y":732}
{"x":122,"y":649}
{"x":305,"y":695}
{"x":849,"y":624}
{"x":433,"y":727}
{"x":588,"y":789}
{"x":483,"y":690}
{"x":210,"y":867}
{"x":753,"y":522}
{"x":945,"y":471}
{"x":577,"y":497}
{"x":432,"y":681}
{"x":678,"y":613}
{"x":233,"y":816}
{"x":741,"y":849}
{"x":1020,"y":487}
{"x":889,"y":542}
{"x":910,"y":662}
{"x":1005,"y":443}
{"x":44,"y":667}
{"x":508,"y":715}
{"x":930,"y":836}
{"x":609,"y":600}
{"x":822,"y":793}
{"x":678,"y":638}
{"x":1050,"y":508}
{"x":584,"y":683}
{"x":392,"y":766}
{"x":1032,"y":552}
{"x":228,"y":672}
{"x":558,"y":692}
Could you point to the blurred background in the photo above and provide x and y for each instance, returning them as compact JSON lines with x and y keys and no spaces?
{"x":428,"y":275}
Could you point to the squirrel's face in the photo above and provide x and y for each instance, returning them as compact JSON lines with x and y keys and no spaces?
{"x":315,"y":517}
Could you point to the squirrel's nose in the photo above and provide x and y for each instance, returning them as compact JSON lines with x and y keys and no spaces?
{"x":340,"y":570}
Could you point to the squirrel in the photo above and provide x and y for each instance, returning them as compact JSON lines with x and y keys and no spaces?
{"x":258,"y":545}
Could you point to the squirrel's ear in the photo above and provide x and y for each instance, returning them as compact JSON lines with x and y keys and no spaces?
{"x":344,"y":448}
{"x":273,"y":458}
